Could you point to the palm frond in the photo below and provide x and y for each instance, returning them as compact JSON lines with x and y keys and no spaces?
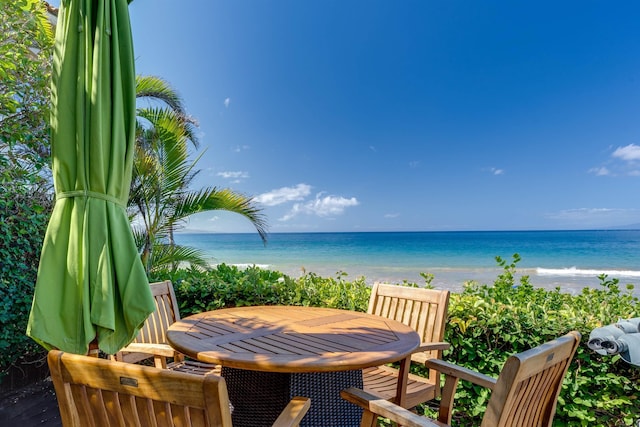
{"x":159,"y":195}
{"x":165,"y":151}
{"x":211,"y":198}
{"x":41,"y":13}
{"x":139,"y":237}
{"x":170,"y":256}
{"x":157,"y":90}
{"x":164,"y":123}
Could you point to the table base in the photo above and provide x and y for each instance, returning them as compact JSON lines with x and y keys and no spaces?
{"x":259,"y":397}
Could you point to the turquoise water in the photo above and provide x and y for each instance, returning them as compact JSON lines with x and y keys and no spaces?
{"x":569,"y":259}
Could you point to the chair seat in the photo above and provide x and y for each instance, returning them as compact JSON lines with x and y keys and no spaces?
{"x":382,"y":381}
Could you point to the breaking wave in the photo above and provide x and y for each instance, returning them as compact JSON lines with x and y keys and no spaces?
{"x":573,"y":271}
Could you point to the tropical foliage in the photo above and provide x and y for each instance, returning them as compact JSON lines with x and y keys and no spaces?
{"x":229,"y":286}
{"x":26,"y":42}
{"x":161,"y":198}
{"x":487,"y":323}
{"x":24,"y":210}
{"x":26,"y":46}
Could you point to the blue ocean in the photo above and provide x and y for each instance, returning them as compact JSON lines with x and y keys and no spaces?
{"x":570,"y":260}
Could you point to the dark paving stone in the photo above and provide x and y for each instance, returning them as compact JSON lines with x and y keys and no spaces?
{"x":30,"y":406}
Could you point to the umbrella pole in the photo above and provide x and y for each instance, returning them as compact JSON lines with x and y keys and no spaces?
{"x":93,"y":348}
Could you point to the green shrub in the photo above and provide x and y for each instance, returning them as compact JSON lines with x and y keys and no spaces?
{"x":26,"y":46}
{"x":229,"y":286}
{"x":487,"y":323}
{"x":23,"y":220}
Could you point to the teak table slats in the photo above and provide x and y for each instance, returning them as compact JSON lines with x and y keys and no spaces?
{"x":301,"y":351}
{"x":292,"y":339}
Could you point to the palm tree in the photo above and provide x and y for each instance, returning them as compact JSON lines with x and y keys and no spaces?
{"x":160,"y":198}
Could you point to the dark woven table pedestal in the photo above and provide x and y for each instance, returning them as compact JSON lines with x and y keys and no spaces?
{"x":259,"y":397}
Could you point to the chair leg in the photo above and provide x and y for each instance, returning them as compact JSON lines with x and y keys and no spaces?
{"x":446,"y":402}
{"x":403,"y":379}
{"x":369,"y":419}
{"x":160,"y":362}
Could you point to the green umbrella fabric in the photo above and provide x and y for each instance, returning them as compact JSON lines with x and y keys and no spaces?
{"x":91,"y":283}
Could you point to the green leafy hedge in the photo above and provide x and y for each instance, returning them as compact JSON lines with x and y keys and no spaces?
{"x":23,"y":219}
{"x":26,"y":46}
{"x":487,"y":323}
{"x":229,"y":286}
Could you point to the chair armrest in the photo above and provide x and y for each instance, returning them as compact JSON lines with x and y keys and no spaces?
{"x":421,"y":354}
{"x":452,"y":374}
{"x":293,"y":413}
{"x":459,"y":372}
{"x":418,"y":356}
{"x":375,"y":406}
{"x":430,"y":346}
{"x":155,"y":349}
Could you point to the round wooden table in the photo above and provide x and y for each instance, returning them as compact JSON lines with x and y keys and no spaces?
{"x":272,"y":353}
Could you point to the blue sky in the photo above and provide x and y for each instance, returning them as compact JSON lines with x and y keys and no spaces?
{"x":408,"y":115}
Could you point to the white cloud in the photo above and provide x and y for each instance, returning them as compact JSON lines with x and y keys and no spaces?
{"x":601,"y":171}
{"x":372,"y":148}
{"x":628,"y":153}
{"x":493,"y":171}
{"x":234,"y":175}
{"x":239,"y":148}
{"x":582,"y":213}
{"x":227,"y":101}
{"x":625,"y":162}
{"x":392,"y":215}
{"x":284,"y":194}
{"x":414,"y":164}
{"x":595,"y":217}
{"x":326,"y":206}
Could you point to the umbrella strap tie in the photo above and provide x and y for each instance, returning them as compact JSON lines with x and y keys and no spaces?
{"x":86,"y":194}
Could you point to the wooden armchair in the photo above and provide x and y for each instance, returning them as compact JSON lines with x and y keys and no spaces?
{"x":104,"y":393}
{"x":425,"y":310}
{"x":525,"y":394}
{"x":152,"y":340}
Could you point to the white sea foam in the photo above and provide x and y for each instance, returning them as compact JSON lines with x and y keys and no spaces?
{"x":573,"y":271}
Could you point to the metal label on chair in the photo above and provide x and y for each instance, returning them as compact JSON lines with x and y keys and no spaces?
{"x":132,"y":382}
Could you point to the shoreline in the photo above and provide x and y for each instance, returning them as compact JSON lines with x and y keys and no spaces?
{"x":451,"y":279}
{"x":570,"y":260}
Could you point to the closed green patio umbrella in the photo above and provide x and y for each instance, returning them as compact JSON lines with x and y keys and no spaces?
{"x":91,"y":283}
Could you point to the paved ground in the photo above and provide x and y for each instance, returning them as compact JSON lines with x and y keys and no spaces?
{"x":31,"y":406}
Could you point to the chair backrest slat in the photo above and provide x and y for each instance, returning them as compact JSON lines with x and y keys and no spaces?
{"x":98,"y":392}
{"x":155,"y":327}
{"x":154,"y":330}
{"x":526,"y":392}
{"x":422,"y":309}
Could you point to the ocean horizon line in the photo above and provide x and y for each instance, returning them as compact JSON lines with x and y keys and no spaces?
{"x":566,"y":258}
{"x":541,"y":230}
